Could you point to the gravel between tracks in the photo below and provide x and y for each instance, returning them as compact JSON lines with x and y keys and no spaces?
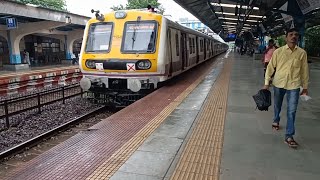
{"x":30,"y":124}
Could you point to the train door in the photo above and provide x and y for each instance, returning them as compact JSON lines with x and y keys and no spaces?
{"x":170,"y":53}
{"x":183,"y":47}
{"x":212,"y":53}
{"x":197,"y":49}
{"x":205,"y":49}
{"x":209,"y":49}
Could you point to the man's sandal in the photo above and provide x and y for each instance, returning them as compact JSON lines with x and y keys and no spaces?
{"x":291,"y":142}
{"x":276,"y":126}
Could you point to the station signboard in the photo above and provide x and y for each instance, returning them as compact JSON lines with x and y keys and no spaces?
{"x":11,"y":23}
{"x":308,"y":5}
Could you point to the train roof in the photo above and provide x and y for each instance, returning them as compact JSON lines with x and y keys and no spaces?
{"x":187,"y":29}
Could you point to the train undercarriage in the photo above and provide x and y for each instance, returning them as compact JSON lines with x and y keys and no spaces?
{"x":117,"y":93}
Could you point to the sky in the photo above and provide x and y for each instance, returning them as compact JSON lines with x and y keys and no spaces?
{"x":83,"y":7}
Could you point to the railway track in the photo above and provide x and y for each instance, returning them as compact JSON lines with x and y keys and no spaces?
{"x":7,"y":154}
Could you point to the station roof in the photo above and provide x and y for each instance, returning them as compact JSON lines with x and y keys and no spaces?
{"x":31,"y":13}
{"x":236,"y":16}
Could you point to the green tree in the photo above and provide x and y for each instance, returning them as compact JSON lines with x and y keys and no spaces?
{"x":281,"y":41}
{"x":139,"y":4}
{"x":117,"y":8}
{"x":51,"y":4}
{"x":312,"y":41}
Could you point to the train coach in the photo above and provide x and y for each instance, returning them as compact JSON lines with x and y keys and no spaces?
{"x":126,"y":54}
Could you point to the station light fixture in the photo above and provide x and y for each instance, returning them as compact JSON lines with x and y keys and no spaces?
{"x":232,"y":14}
{"x":249,"y":20}
{"x":230,"y":23}
{"x":228,"y":18}
{"x":232,"y":6}
{"x":228,"y":26}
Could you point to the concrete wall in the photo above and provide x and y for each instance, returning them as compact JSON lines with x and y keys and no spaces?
{"x":19,"y":9}
{"x":52,"y":20}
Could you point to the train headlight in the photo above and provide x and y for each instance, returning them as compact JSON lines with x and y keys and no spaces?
{"x":120,"y":15}
{"x":144,"y":64}
{"x":91,"y":64}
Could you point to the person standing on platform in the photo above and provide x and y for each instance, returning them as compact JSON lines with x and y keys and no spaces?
{"x":268,"y":54}
{"x":73,"y":58}
{"x":26,"y":57}
{"x":292,"y":71}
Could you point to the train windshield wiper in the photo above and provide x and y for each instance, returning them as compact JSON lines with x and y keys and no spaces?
{"x":134,"y":31}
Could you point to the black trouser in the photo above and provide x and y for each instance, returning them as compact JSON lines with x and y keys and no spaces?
{"x":74,"y":61}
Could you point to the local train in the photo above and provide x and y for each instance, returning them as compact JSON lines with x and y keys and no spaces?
{"x":126,"y":54}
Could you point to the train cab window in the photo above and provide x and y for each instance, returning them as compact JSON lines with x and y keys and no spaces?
{"x":99,"y":37}
{"x":139,"y":37}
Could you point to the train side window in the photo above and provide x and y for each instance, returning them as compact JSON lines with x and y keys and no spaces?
{"x":202,"y":45}
{"x":177,"y":45}
{"x":190,"y":46}
{"x":205,"y":45}
{"x":194,"y":46}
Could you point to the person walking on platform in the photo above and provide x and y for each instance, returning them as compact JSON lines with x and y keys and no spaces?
{"x":268,"y":54}
{"x":290,"y":65}
{"x":26,"y":57}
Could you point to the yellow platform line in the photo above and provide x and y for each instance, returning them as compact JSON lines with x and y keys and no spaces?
{"x":202,"y":154}
{"x":111,"y":165}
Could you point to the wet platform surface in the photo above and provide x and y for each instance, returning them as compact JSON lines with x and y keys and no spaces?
{"x":99,"y":152}
{"x":205,"y":128}
{"x":251,"y":149}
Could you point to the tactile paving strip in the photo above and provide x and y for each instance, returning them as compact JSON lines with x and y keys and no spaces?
{"x":202,"y":154}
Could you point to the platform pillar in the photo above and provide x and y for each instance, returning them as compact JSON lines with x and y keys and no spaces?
{"x":14,"y":52}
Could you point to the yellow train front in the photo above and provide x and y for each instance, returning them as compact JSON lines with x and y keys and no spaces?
{"x":125,"y":54}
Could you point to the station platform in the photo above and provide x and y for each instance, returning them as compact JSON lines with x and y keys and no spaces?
{"x":32,"y":69}
{"x":38,"y":77}
{"x":203,"y":126}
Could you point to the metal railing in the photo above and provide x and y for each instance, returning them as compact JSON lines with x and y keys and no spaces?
{"x":14,"y":106}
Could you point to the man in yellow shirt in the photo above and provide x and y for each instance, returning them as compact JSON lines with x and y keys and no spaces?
{"x":290,"y":65}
